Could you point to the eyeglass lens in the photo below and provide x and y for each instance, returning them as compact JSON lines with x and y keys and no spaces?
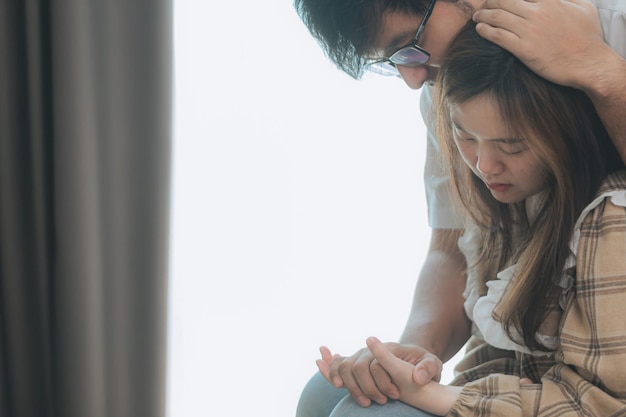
{"x":383,"y":68}
{"x":409,"y":57}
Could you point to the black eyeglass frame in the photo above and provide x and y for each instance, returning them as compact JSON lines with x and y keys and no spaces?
{"x":387,"y":66}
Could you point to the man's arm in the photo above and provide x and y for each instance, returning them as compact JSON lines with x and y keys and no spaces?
{"x":608,"y":94}
{"x":563,"y":42}
{"x":437,"y":328}
{"x":437,"y":320}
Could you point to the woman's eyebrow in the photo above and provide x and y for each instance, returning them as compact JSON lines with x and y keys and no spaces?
{"x":458,"y":126}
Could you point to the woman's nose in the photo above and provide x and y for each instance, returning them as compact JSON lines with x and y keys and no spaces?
{"x":487,"y":161}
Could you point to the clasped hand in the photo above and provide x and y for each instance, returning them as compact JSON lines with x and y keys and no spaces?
{"x":367,"y":380}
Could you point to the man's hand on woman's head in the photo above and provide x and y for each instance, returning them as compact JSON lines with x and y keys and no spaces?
{"x":561,"y":40}
{"x":366,"y":380}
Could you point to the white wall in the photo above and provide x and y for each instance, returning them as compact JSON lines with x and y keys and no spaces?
{"x":298,"y":209}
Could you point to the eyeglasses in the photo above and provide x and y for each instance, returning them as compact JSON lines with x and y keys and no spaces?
{"x":410,"y":55}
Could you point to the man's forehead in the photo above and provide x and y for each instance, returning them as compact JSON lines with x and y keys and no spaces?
{"x":396,"y":30}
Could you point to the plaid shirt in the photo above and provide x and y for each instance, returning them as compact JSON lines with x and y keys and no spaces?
{"x":586,"y":375}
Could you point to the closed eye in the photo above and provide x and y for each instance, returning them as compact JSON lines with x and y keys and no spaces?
{"x":512,"y":146}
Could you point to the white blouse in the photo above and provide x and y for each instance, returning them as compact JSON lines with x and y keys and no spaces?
{"x":479,"y":309}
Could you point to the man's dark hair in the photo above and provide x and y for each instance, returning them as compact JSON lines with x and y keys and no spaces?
{"x":347,"y":29}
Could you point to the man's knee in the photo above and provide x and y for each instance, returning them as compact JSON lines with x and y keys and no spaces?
{"x":348,"y":407}
{"x":319,"y":398}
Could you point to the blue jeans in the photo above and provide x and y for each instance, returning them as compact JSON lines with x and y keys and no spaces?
{"x":320,"y":399}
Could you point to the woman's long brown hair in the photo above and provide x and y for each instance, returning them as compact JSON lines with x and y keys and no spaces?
{"x":562,"y":128}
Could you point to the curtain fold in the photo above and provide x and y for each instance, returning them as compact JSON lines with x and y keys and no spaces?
{"x":85,"y":139}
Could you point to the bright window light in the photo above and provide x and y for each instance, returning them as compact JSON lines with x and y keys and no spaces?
{"x":298,"y":211}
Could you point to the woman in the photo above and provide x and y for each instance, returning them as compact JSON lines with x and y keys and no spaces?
{"x":546,"y":248}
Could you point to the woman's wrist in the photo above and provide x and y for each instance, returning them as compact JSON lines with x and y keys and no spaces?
{"x":438,"y":399}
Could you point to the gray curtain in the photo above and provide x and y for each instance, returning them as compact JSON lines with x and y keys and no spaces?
{"x":85,"y":136}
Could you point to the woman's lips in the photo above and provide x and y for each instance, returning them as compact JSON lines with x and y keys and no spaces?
{"x":498,"y":187}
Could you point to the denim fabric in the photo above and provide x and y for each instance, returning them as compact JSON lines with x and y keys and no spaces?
{"x":321,"y":399}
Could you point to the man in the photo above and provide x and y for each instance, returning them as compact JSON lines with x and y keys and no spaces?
{"x":570,"y":42}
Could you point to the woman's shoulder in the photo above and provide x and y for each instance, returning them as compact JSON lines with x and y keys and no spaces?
{"x":605,"y":216}
{"x":614,"y":182}
{"x":610,"y":197}
{"x":611,"y":193}
{"x":600,"y":235}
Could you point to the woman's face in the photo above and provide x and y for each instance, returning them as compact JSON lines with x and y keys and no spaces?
{"x":507,"y":166}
